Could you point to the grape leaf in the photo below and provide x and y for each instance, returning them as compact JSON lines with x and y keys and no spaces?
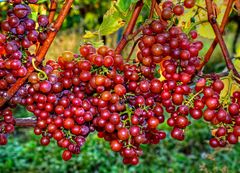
{"x":156,"y":72}
{"x":205,"y":30}
{"x":97,"y":43}
{"x":34,"y":15}
{"x":124,"y":5}
{"x":228,"y":83}
{"x":111,"y":22}
{"x":185,"y":20}
{"x":41,"y":1}
{"x":236,"y":63}
{"x":90,"y":34}
{"x":42,"y":9}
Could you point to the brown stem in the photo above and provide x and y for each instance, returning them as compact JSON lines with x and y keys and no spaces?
{"x":52,"y":11}
{"x":130,"y":27}
{"x":41,"y":52}
{"x":218,"y":75}
{"x":133,"y":47}
{"x":26,"y":122}
{"x":215,"y":42}
{"x":214,"y":24}
{"x":152,"y":9}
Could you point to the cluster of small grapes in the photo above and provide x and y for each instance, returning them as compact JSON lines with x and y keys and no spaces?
{"x":178,"y":56}
{"x":221,"y":112}
{"x":169,"y":9}
{"x":60,"y":103}
{"x":126,"y":97}
{"x":95,"y":91}
{"x":226,"y":118}
{"x":19,"y":34}
{"x":177,"y":53}
{"x":6,"y":124}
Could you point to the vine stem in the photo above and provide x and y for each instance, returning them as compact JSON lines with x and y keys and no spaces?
{"x":123,"y":42}
{"x":215,"y":42}
{"x":52,"y":11}
{"x":152,"y":9}
{"x":41,"y":52}
{"x":133,"y":47}
{"x":192,"y":97}
{"x":212,"y":20}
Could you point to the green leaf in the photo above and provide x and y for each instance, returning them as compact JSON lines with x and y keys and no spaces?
{"x":156,"y":72}
{"x":111,"y":22}
{"x":41,"y":1}
{"x":34,"y":15}
{"x":124,"y":5}
{"x":236,"y":63}
{"x":97,"y":43}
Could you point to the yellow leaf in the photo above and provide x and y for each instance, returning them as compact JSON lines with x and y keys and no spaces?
{"x":41,"y":8}
{"x":90,"y":34}
{"x":185,"y":20}
{"x":236,"y":63}
{"x":205,"y":30}
{"x":229,"y":83}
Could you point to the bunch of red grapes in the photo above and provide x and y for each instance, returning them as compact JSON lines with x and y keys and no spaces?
{"x":19,"y":34}
{"x":97,"y":90}
{"x":177,"y":53}
{"x":60,"y":103}
{"x":127,"y":103}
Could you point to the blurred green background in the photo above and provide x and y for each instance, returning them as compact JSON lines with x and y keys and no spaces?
{"x":24,"y":154}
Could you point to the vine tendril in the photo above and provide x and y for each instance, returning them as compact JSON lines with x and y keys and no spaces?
{"x":41,"y":74}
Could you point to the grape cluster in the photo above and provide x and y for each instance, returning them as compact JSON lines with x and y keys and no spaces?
{"x":127,"y":102}
{"x":19,"y":34}
{"x":6,"y":124}
{"x":95,"y":91}
{"x":169,"y":9}
{"x":227,"y":119}
{"x":63,"y":111}
{"x":177,"y":53}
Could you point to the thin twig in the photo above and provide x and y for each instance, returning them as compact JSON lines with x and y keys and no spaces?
{"x":152,"y":9}
{"x":214,"y":24}
{"x":52,"y":10}
{"x":133,"y":47}
{"x":215,"y":42}
{"x":130,"y":27}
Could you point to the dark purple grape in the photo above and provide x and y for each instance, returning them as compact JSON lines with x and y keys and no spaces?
{"x":43,"y":20}
{"x":21,"y":10}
